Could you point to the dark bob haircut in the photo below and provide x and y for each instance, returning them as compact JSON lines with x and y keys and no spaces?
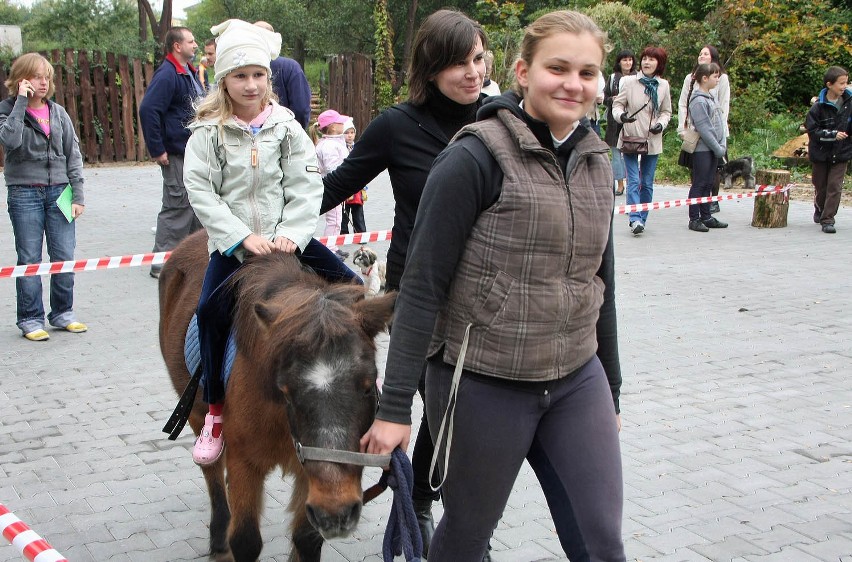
{"x":656,"y":53}
{"x":624,"y":54}
{"x":444,"y":38}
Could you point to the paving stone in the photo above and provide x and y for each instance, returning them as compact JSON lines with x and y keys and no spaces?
{"x":736,"y":422}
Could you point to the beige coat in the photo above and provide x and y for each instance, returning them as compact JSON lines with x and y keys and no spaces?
{"x":631,"y":98}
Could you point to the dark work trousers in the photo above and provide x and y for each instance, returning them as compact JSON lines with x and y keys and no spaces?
{"x":570,"y":423}
{"x":828,"y":185}
{"x":355,"y":213}
{"x":176,"y":219}
{"x":216,"y":307}
{"x":703,"y":174}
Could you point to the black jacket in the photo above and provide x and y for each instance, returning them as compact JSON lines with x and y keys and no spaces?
{"x":404,"y":139}
{"x":823,"y":122}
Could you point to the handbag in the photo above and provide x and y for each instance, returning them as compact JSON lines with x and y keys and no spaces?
{"x":690,"y":136}
{"x":690,"y":140}
{"x":634,"y":145}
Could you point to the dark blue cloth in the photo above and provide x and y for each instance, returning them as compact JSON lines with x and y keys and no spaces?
{"x":216,"y":307}
{"x":402,"y":535}
{"x":291,"y":86}
{"x":166,"y":108}
{"x":326,"y":264}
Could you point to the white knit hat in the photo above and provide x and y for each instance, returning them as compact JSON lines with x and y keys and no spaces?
{"x":240,"y":43}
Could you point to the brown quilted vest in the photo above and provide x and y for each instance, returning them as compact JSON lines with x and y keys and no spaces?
{"x":526,"y":282}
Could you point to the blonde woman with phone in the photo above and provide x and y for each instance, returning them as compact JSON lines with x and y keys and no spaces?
{"x":42,"y":160}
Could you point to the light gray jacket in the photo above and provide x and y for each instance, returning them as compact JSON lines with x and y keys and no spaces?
{"x":706,"y":116}
{"x":33,"y":158}
{"x":279,"y":194}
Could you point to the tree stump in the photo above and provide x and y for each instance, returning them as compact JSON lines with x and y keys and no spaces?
{"x":770,"y":211}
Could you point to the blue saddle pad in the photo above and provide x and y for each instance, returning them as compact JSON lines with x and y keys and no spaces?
{"x":192,"y":351}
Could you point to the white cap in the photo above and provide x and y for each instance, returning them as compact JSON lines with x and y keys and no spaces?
{"x":240,"y":43}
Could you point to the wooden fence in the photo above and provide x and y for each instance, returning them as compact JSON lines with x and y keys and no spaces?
{"x":350,"y":87}
{"x":102,"y":97}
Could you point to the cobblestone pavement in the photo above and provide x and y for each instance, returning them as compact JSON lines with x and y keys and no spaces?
{"x":736,"y":403}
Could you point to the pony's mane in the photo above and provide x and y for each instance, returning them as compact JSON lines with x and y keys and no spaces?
{"x":307,"y":308}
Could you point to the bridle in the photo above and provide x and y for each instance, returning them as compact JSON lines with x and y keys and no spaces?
{"x":339,"y":456}
{"x":325,"y":454}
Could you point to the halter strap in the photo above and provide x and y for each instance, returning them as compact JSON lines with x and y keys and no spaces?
{"x":339,"y":456}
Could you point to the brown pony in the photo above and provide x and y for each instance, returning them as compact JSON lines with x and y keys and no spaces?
{"x":305,"y":372}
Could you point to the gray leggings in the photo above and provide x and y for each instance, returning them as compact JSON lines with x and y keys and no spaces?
{"x":571,"y":420}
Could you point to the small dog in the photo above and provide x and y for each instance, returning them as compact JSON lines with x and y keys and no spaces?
{"x":372,"y":269}
{"x":739,"y":168}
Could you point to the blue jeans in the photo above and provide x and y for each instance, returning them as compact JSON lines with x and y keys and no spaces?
{"x":640,"y":181}
{"x":617,"y":164}
{"x":35,"y":217}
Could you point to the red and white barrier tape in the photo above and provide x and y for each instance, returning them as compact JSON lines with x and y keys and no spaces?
{"x":759,"y":190}
{"x":136,"y":260}
{"x":154,"y":259}
{"x":29,"y":544}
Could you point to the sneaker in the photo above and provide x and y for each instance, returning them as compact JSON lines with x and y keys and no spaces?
{"x":637,"y":228}
{"x":207,"y":448}
{"x":341,"y":254}
{"x":155,"y":273}
{"x":829,"y":229}
{"x":76,"y":327}
{"x":817,"y":215}
{"x":715,"y":223}
{"x":698,"y":226}
{"x":37,"y":335}
{"x":714,"y":207}
{"x":154,"y":230}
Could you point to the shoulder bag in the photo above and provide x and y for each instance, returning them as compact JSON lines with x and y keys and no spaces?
{"x":635,"y":145}
{"x":690,"y":136}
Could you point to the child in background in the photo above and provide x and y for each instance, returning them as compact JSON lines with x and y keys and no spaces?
{"x":708,"y":119}
{"x":829,"y":125}
{"x":327,"y":133}
{"x":353,"y":208}
{"x":251,"y":176}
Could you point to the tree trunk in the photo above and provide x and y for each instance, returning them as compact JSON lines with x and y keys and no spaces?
{"x":409,"y":37}
{"x":299,"y":51}
{"x":146,"y":17}
{"x":770,"y":211}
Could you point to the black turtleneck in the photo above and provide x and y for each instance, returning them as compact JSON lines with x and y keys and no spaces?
{"x":450,"y":116}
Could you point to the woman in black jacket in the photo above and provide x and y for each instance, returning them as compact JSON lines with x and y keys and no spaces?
{"x":829,"y":125}
{"x":447,"y":70}
{"x":625,"y":65}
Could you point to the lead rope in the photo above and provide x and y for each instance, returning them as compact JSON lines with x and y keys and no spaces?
{"x":402,"y":535}
{"x":449,"y":413}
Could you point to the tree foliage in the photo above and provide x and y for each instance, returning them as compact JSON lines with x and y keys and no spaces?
{"x":105,"y":25}
{"x":786,"y":41}
{"x":626,"y":28}
{"x":383,"y":77}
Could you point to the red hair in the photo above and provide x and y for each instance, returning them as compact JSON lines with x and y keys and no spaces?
{"x":656,"y":53}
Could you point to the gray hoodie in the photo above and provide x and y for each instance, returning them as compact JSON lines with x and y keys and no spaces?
{"x":706,"y":117}
{"x":33,"y":158}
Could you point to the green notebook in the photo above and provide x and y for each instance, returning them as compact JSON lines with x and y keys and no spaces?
{"x":64,"y":202}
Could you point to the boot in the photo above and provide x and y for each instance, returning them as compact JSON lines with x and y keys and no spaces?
{"x":423,"y":511}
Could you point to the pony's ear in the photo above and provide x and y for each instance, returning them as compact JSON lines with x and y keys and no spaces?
{"x":375,"y":313}
{"x":265,"y":314}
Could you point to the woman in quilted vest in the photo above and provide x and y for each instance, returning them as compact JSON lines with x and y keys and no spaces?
{"x":508,"y":292}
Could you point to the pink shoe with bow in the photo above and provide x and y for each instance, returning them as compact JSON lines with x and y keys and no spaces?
{"x":207,"y":448}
